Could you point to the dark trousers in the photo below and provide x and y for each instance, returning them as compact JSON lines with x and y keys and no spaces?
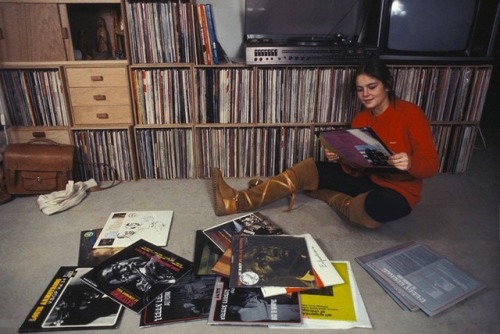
{"x":382,"y":204}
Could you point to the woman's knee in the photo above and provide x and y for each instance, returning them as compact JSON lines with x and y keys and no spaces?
{"x":385,"y":205}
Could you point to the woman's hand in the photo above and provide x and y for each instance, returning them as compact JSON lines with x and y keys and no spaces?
{"x":400,"y":160}
{"x":331,"y":156}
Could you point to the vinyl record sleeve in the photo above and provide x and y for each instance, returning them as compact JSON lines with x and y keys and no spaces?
{"x":136,"y":275}
{"x":247,"y":306}
{"x":69,"y":304}
{"x":359,"y":148}
{"x":187,"y":300}
{"x":278,"y":261}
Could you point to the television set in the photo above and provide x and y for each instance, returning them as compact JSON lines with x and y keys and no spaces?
{"x":279,"y":21}
{"x":435,"y":29}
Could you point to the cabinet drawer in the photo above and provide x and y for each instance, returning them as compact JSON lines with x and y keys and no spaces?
{"x":97,"y":77}
{"x":24,"y":135}
{"x":104,"y":96}
{"x":102,"y":115}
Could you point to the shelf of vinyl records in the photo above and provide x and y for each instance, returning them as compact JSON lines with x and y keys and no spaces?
{"x":257,"y":121}
{"x":105,"y":153}
{"x":248,"y":121}
{"x":168,"y":152}
{"x":181,"y":94}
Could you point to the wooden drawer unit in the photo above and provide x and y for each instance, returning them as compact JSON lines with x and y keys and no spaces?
{"x":99,"y":95}
{"x":25,"y":134}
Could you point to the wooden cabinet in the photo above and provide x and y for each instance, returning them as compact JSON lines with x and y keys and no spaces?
{"x":33,"y":32}
{"x":99,"y":95}
{"x":64,"y":76}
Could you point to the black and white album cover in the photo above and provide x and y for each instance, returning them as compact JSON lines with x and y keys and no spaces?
{"x":69,"y":304}
{"x":187,"y":300}
{"x":136,"y":275}
{"x":247,"y":306}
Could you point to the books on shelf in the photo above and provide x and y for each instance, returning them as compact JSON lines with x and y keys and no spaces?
{"x":419,"y":278}
{"x":247,"y":306}
{"x":188,"y":299}
{"x":126,"y":227}
{"x":136,"y":275}
{"x":69,"y":304}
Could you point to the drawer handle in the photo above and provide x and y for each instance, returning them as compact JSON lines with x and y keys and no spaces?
{"x":99,"y":97}
{"x":97,"y":78}
{"x":103,"y":115}
{"x":38,"y":134}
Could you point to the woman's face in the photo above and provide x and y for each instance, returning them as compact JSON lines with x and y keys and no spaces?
{"x":372,"y":93}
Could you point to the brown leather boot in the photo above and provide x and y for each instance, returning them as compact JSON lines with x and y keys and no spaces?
{"x":302,"y":176}
{"x":351,"y":208}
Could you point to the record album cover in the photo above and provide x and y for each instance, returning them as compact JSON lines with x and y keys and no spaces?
{"x":205,"y":255}
{"x":254,"y":223}
{"x":88,"y":256}
{"x":187,"y":300}
{"x":359,"y":147}
{"x":126,"y":227}
{"x":136,"y":275}
{"x":247,"y":306}
{"x":69,"y":304}
{"x":265,"y":260}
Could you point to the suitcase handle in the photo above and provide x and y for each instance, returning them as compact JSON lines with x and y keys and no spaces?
{"x":43,"y":140}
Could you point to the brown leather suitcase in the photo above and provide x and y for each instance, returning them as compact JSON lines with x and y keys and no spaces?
{"x":40,"y":166}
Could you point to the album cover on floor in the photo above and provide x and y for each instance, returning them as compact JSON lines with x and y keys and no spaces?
{"x":69,"y":304}
{"x":136,"y":275}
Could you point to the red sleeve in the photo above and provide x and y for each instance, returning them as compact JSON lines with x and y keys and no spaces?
{"x":423,"y":154}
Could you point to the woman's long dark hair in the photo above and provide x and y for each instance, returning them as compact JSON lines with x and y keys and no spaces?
{"x":377,"y":69}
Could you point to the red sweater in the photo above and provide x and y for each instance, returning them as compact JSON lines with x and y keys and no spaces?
{"x":403,"y":127}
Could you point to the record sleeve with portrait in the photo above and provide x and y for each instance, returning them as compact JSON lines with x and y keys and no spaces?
{"x":271,"y":260}
{"x":247,"y":306}
{"x":187,"y":300}
{"x":69,"y":304}
{"x":136,"y":275}
{"x":252,"y":223}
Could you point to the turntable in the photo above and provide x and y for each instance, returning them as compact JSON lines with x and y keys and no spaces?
{"x":307,"y":50}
